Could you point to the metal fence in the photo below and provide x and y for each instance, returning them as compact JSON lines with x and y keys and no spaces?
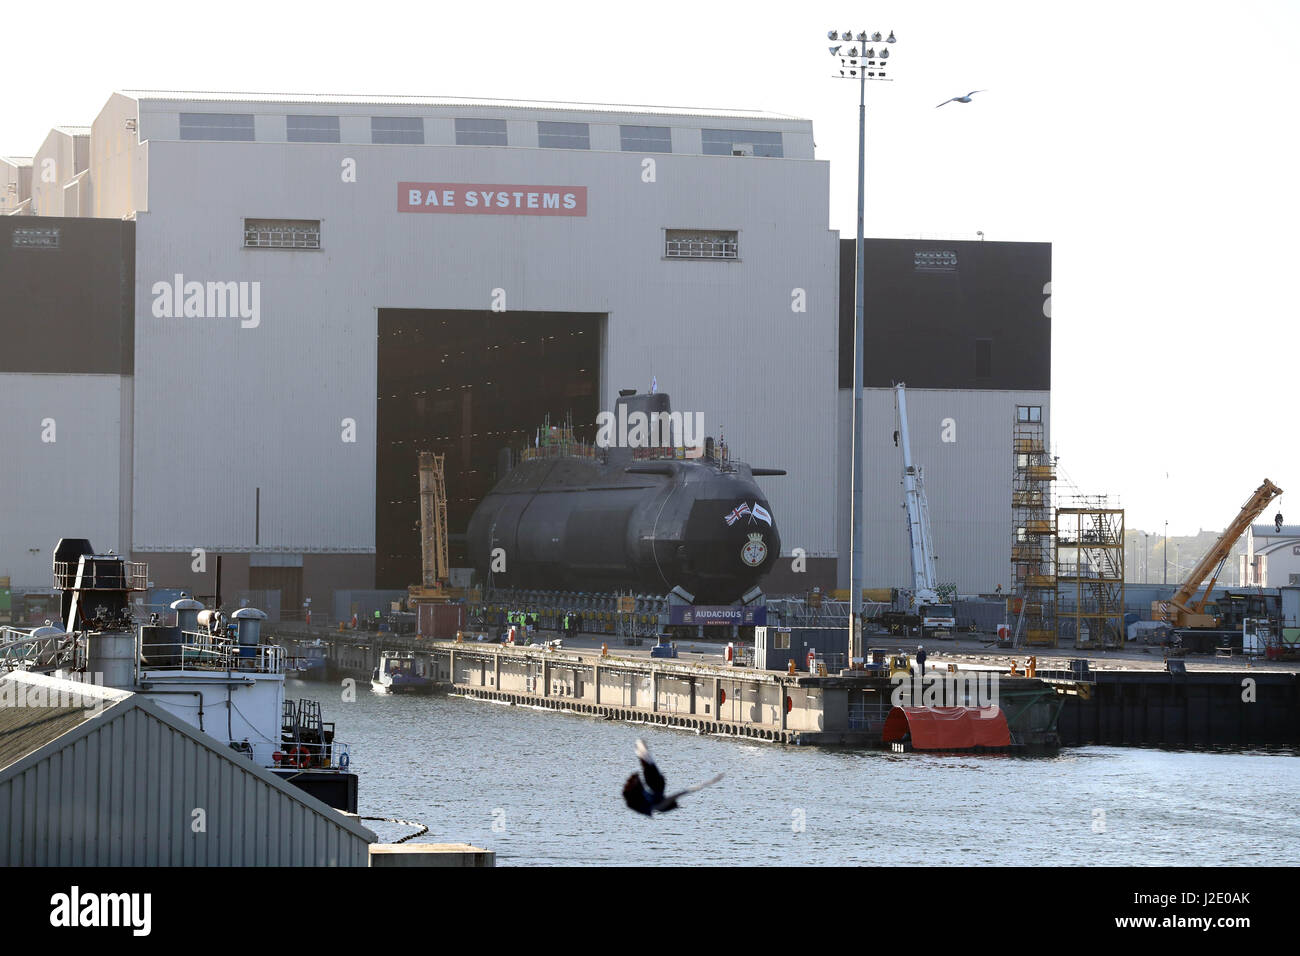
{"x":200,"y":651}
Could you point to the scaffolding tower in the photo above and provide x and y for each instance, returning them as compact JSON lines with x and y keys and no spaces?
{"x":1033,"y":552}
{"x":433,"y":520}
{"x":1090,"y":573}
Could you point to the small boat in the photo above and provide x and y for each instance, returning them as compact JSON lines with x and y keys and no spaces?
{"x":306,"y":661}
{"x":396,"y":674}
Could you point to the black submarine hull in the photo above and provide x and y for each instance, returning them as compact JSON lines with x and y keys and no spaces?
{"x":645,"y":525}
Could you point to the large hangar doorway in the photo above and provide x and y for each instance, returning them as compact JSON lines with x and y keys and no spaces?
{"x":466,"y":384}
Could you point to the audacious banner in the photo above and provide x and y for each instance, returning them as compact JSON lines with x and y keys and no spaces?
{"x":480,"y":199}
{"x":680,"y":614}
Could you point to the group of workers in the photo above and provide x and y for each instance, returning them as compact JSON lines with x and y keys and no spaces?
{"x":520,"y":624}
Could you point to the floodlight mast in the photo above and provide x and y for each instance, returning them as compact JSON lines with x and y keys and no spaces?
{"x":862,"y":68}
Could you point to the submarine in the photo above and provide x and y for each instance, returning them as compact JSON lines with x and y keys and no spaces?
{"x":634,"y":515}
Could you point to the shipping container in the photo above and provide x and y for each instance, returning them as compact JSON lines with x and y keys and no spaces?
{"x":440,"y":622}
{"x":775,"y":647}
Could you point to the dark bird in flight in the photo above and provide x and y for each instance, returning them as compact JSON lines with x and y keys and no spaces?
{"x":960,"y":99}
{"x":646,"y":796}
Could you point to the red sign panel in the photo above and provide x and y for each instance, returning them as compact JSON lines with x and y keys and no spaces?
{"x":485,"y":199}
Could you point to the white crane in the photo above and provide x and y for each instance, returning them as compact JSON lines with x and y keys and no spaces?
{"x":936,"y":616}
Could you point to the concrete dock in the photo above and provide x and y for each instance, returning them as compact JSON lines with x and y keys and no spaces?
{"x":697,"y":691}
{"x":1128,"y":699}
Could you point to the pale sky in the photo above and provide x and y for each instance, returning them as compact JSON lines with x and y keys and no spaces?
{"x":1153,"y":144}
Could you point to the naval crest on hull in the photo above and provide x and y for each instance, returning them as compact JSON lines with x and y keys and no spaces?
{"x":754,"y":552}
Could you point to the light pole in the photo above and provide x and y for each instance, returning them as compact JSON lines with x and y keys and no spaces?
{"x":1146,"y":558}
{"x":861,"y":63}
{"x":1166,"y":552}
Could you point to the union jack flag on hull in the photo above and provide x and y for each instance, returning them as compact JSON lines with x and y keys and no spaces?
{"x":737,"y":513}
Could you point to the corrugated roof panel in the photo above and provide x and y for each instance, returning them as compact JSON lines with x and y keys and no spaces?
{"x":323,"y":99}
{"x":1269,"y":530}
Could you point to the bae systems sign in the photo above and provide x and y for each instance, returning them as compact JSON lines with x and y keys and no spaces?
{"x":478,"y":199}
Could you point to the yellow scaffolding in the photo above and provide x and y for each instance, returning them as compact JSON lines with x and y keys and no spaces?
{"x":1033,"y":553}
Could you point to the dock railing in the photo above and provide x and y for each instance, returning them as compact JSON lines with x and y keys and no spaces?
{"x":313,"y":755}
{"x":103,"y":575}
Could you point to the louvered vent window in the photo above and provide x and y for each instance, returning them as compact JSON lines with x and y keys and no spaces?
{"x":36,"y":238}
{"x":281,"y":233}
{"x":701,"y":244}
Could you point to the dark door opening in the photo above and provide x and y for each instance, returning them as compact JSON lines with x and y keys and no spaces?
{"x":467,"y":384}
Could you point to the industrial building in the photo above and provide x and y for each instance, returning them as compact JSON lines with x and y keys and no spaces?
{"x":1272,"y":556}
{"x":15,"y":184}
{"x":82,"y":772}
{"x":241,"y":317}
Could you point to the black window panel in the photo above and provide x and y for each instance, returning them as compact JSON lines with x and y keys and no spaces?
{"x":719,"y":142}
{"x":481,"y":132}
{"x":983,"y":358}
{"x":67,"y":295}
{"x":563,"y":136}
{"x":646,"y":139}
{"x":313,"y":129}
{"x":921,"y":325}
{"x":219,"y":126}
{"x":397,"y":129}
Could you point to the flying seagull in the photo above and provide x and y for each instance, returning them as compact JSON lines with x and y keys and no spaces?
{"x":648,"y":796}
{"x":960,"y":99}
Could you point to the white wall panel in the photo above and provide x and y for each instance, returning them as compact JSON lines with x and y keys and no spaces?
{"x":65,"y":488}
{"x":222,"y":410}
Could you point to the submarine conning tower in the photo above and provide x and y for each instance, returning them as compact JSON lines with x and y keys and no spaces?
{"x":640,"y":420}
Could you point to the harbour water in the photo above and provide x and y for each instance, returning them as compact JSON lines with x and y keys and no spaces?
{"x":541,"y":788}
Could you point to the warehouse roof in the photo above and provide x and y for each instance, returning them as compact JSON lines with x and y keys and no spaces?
{"x":35,"y":709}
{"x":348,"y":99}
{"x":1270,"y":531}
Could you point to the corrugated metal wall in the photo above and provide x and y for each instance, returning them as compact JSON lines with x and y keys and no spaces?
{"x":65,"y":487}
{"x":967,"y":483}
{"x":268,"y":402}
{"x":125,"y":793}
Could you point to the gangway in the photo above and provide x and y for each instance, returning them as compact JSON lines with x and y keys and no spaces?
{"x":41,"y":649}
